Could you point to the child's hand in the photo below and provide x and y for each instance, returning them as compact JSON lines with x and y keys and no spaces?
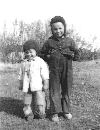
{"x":48,"y":56}
{"x":45,"y":84}
{"x":67,"y":52}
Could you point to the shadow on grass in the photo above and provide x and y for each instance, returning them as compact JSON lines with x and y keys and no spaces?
{"x":11,"y":106}
{"x":14,"y":107}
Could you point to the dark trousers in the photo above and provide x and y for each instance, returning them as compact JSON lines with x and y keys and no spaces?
{"x":60,"y":88}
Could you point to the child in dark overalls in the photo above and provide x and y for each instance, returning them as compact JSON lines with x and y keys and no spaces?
{"x":59,"y":51}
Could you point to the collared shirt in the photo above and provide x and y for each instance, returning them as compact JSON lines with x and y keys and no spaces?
{"x":33,"y":73}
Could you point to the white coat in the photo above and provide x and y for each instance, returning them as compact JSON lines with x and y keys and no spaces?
{"x":33,"y":73}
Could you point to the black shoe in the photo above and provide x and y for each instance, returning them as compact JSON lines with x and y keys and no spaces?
{"x":40,"y":116}
{"x":29,"y":117}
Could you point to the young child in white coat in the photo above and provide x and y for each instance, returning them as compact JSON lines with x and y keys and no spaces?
{"x":34,"y":80}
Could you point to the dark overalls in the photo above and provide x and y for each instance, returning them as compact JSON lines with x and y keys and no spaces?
{"x":59,"y":54}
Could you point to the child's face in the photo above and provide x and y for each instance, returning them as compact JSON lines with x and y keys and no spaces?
{"x":57,"y":29}
{"x":30,"y":54}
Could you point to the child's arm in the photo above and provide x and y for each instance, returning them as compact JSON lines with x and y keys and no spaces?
{"x":44,"y":53}
{"x":75,"y":49}
{"x":45,"y":75}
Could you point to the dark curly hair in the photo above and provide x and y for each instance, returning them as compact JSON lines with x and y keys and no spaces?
{"x":30,"y":44}
{"x":59,"y":19}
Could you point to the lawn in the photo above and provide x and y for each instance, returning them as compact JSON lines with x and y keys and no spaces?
{"x":85,"y":100}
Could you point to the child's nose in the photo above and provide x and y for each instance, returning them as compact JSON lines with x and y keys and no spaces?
{"x":58,"y":30}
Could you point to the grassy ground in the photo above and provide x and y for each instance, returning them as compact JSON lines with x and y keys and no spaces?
{"x":85,"y":100}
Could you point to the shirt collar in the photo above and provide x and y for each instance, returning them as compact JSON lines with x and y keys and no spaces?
{"x":33,"y":59}
{"x":58,"y":39}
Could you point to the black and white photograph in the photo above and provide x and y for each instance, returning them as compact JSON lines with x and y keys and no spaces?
{"x":49,"y":65}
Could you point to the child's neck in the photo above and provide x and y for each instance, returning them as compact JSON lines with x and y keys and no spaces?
{"x":32,"y":59}
{"x":58,"y":38}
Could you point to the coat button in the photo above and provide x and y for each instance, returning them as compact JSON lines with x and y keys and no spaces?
{"x":59,"y":46}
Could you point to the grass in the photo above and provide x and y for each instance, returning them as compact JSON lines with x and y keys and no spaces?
{"x":85,"y":100}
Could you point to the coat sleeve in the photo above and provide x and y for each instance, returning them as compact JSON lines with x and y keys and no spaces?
{"x":45,"y":52}
{"x":44,"y":70}
{"x":75,"y":49}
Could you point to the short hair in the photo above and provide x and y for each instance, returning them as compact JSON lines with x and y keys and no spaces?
{"x":30,"y":44}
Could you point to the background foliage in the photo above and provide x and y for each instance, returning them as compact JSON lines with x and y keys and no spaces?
{"x":11,"y":44}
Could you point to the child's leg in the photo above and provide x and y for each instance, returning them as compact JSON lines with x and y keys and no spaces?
{"x":27,"y":104}
{"x":40,"y":102}
{"x":66,"y":86}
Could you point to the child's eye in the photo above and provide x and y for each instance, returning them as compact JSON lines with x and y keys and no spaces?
{"x":55,"y":28}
